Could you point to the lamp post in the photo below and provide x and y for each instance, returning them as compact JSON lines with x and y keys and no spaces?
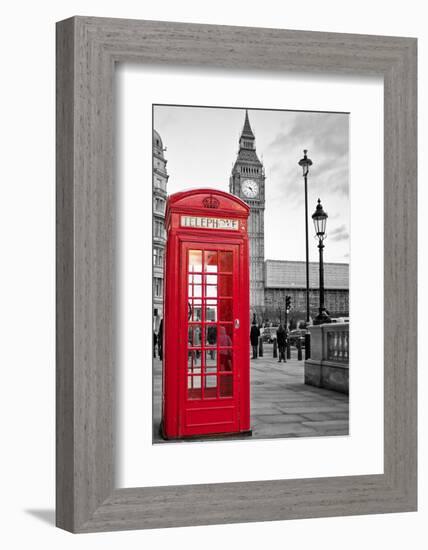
{"x":320,"y":222}
{"x":305,"y":162}
{"x":287,"y":309}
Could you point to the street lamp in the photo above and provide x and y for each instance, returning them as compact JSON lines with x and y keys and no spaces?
{"x":320,"y":222}
{"x":305,"y":162}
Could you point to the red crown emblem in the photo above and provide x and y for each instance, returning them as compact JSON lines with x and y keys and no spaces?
{"x":211,"y":202}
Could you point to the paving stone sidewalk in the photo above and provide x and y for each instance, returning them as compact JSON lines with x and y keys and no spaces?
{"x":282,"y":405}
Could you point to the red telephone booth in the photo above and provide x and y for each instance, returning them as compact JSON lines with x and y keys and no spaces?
{"x":206,"y":365}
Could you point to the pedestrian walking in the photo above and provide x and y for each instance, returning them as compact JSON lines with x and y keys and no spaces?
{"x":155,"y":339}
{"x":160,"y":340}
{"x":281,"y":338}
{"x":254,"y":338}
{"x":197,"y":336}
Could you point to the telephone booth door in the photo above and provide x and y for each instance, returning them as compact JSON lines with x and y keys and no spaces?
{"x":210,"y":389}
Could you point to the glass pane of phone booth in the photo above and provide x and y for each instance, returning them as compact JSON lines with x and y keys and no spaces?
{"x":210,"y":324}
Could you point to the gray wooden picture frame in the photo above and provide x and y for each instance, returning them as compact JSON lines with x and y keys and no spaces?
{"x":87,"y":50}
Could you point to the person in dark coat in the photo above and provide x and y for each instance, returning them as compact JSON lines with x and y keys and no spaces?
{"x":155,"y":339}
{"x":254,"y":338}
{"x":212,"y":338}
{"x":281,"y":338}
{"x":160,"y":340}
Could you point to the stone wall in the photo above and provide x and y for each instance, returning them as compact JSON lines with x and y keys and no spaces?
{"x":328,"y":366}
{"x":336,"y":300}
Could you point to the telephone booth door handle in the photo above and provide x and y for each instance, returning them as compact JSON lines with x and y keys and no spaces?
{"x":236,"y":323}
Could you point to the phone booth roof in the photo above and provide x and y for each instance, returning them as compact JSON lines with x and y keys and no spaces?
{"x":201,"y":201}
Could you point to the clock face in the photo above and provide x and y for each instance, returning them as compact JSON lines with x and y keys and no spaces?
{"x":250,"y":188}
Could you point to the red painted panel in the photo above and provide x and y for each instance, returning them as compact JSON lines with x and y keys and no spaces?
{"x":211,"y":415}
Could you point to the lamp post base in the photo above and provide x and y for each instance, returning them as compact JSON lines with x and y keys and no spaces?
{"x":322,"y":318}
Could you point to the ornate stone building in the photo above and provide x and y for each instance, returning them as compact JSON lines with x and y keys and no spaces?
{"x":247,"y":181}
{"x":160,"y":181}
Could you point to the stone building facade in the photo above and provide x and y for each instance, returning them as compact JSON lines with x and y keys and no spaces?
{"x":160,"y":181}
{"x":288,"y":278}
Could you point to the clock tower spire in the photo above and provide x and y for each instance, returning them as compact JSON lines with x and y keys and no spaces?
{"x":247,"y":182}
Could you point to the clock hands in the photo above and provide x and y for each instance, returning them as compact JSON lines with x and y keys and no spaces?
{"x":250,"y":188}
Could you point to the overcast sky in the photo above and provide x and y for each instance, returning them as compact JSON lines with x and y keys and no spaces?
{"x":202,"y":145}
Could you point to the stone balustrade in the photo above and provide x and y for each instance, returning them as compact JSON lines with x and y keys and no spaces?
{"x":328,"y":366}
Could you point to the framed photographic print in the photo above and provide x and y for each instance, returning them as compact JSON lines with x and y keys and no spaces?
{"x":236,"y":274}
{"x":212,"y":319}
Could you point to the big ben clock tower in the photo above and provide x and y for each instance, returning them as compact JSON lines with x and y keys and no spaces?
{"x":247,"y":182}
